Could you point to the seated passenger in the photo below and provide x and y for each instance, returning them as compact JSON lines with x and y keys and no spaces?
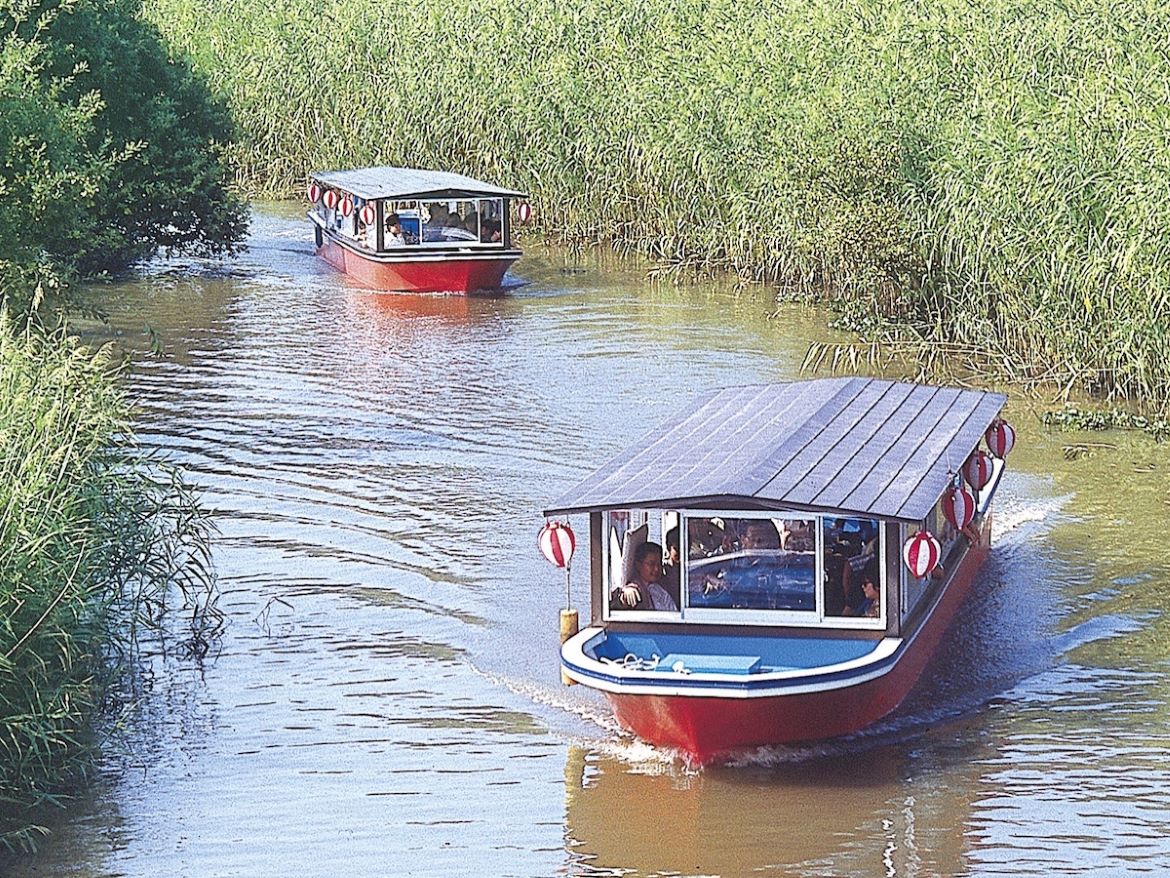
{"x":706,"y":537}
{"x":835,"y":588}
{"x":644,"y":591}
{"x":393,"y":236}
{"x":872,"y":608}
{"x":870,"y":604}
{"x":671,"y":567}
{"x":454,"y":231}
{"x":436,"y":221}
{"x":489,"y":232}
{"x":760,"y":535}
{"x":798,"y":537}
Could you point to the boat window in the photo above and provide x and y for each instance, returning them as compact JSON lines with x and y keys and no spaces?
{"x":449,"y":222}
{"x":491,"y":220}
{"x":850,"y":556}
{"x":751,"y":563}
{"x":637,"y":581}
{"x":461,"y":223}
{"x":367,"y":233}
{"x":914,"y":589}
{"x":400,"y":224}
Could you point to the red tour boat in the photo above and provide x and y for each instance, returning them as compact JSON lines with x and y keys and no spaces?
{"x":412,"y":230}
{"x":778,"y":563}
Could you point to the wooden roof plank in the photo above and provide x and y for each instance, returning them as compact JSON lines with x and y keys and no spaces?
{"x":756,"y":438}
{"x":854,"y":445}
{"x":885,"y":471}
{"x":933,"y":481}
{"x":654,"y":468}
{"x":841,"y":395}
{"x":615,"y":474}
{"x":655,"y":471}
{"x":942,"y":448}
{"x":851,"y":464}
{"x":831,"y":428}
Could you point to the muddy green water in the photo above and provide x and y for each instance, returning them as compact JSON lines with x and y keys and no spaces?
{"x":386,"y":699}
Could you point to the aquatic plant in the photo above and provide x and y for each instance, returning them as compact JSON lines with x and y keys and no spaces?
{"x":100,"y":548}
{"x":989,"y":173}
{"x":1072,"y":418}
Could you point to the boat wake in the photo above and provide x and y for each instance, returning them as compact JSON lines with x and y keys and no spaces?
{"x":1099,"y":628}
{"x":594,"y":715}
{"x":597,"y":731}
{"x":1016,"y":521}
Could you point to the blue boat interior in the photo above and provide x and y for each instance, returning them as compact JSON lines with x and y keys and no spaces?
{"x":714,"y":653}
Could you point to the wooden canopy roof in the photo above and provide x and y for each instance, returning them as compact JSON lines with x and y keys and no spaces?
{"x":862,"y":446}
{"x":408,"y":184}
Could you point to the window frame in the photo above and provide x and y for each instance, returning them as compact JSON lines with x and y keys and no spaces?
{"x":641,"y":515}
{"x":456,"y":242}
{"x":815,"y":618}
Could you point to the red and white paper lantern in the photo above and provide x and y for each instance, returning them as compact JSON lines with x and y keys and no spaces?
{"x":557,"y":543}
{"x":314,"y":193}
{"x":347,"y":206}
{"x":977,"y":470}
{"x":329,"y":199}
{"x":921,"y":553}
{"x":524,"y":212}
{"x":368,"y":214}
{"x":958,"y":505}
{"x":1000,"y":438}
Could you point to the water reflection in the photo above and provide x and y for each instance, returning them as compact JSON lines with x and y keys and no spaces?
{"x":833,"y":815}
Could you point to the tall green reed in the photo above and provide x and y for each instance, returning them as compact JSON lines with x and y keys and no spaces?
{"x":100,"y":547}
{"x":990,"y":174}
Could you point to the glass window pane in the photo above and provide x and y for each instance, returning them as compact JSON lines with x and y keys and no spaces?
{"x":400,"y":224}
{"x":449,"y":222}
{"x":638,"y":578}
{"x":491,"y":224}
{"x":752,"y":563}
{"x":851,"y":557}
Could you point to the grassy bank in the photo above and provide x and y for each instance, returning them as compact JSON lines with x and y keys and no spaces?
{"x":993,"y":174}
{"x":110,"y":148}
{"x":94,"y":540}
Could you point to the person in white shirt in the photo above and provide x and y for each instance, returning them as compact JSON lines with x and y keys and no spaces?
{"x":644,"y":591}
{"x":393,"y":236}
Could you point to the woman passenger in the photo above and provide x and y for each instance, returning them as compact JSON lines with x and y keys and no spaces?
{"x":644,"y":591}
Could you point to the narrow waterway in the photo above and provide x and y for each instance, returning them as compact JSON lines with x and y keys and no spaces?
{"x":385,"y":699}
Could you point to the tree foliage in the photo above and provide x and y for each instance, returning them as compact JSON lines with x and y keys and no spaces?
{"x":109,"y":147}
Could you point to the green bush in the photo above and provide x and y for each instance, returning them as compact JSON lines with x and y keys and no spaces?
{"x":990,"y":173}
{"x":109,"y":147}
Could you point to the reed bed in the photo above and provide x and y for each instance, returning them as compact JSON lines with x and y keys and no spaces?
{"x":98,"y":544}
{"x":992,"y":174}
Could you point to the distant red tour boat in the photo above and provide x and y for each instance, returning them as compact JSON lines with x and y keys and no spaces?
{"x":404,"y":229}
{"x":806,"y":555}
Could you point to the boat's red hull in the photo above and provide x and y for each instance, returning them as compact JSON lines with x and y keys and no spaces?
{"x":448,"y":273}
{"x":706,"y":727}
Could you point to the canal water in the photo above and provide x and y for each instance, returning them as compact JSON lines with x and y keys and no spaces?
{"x":385,"y":698}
